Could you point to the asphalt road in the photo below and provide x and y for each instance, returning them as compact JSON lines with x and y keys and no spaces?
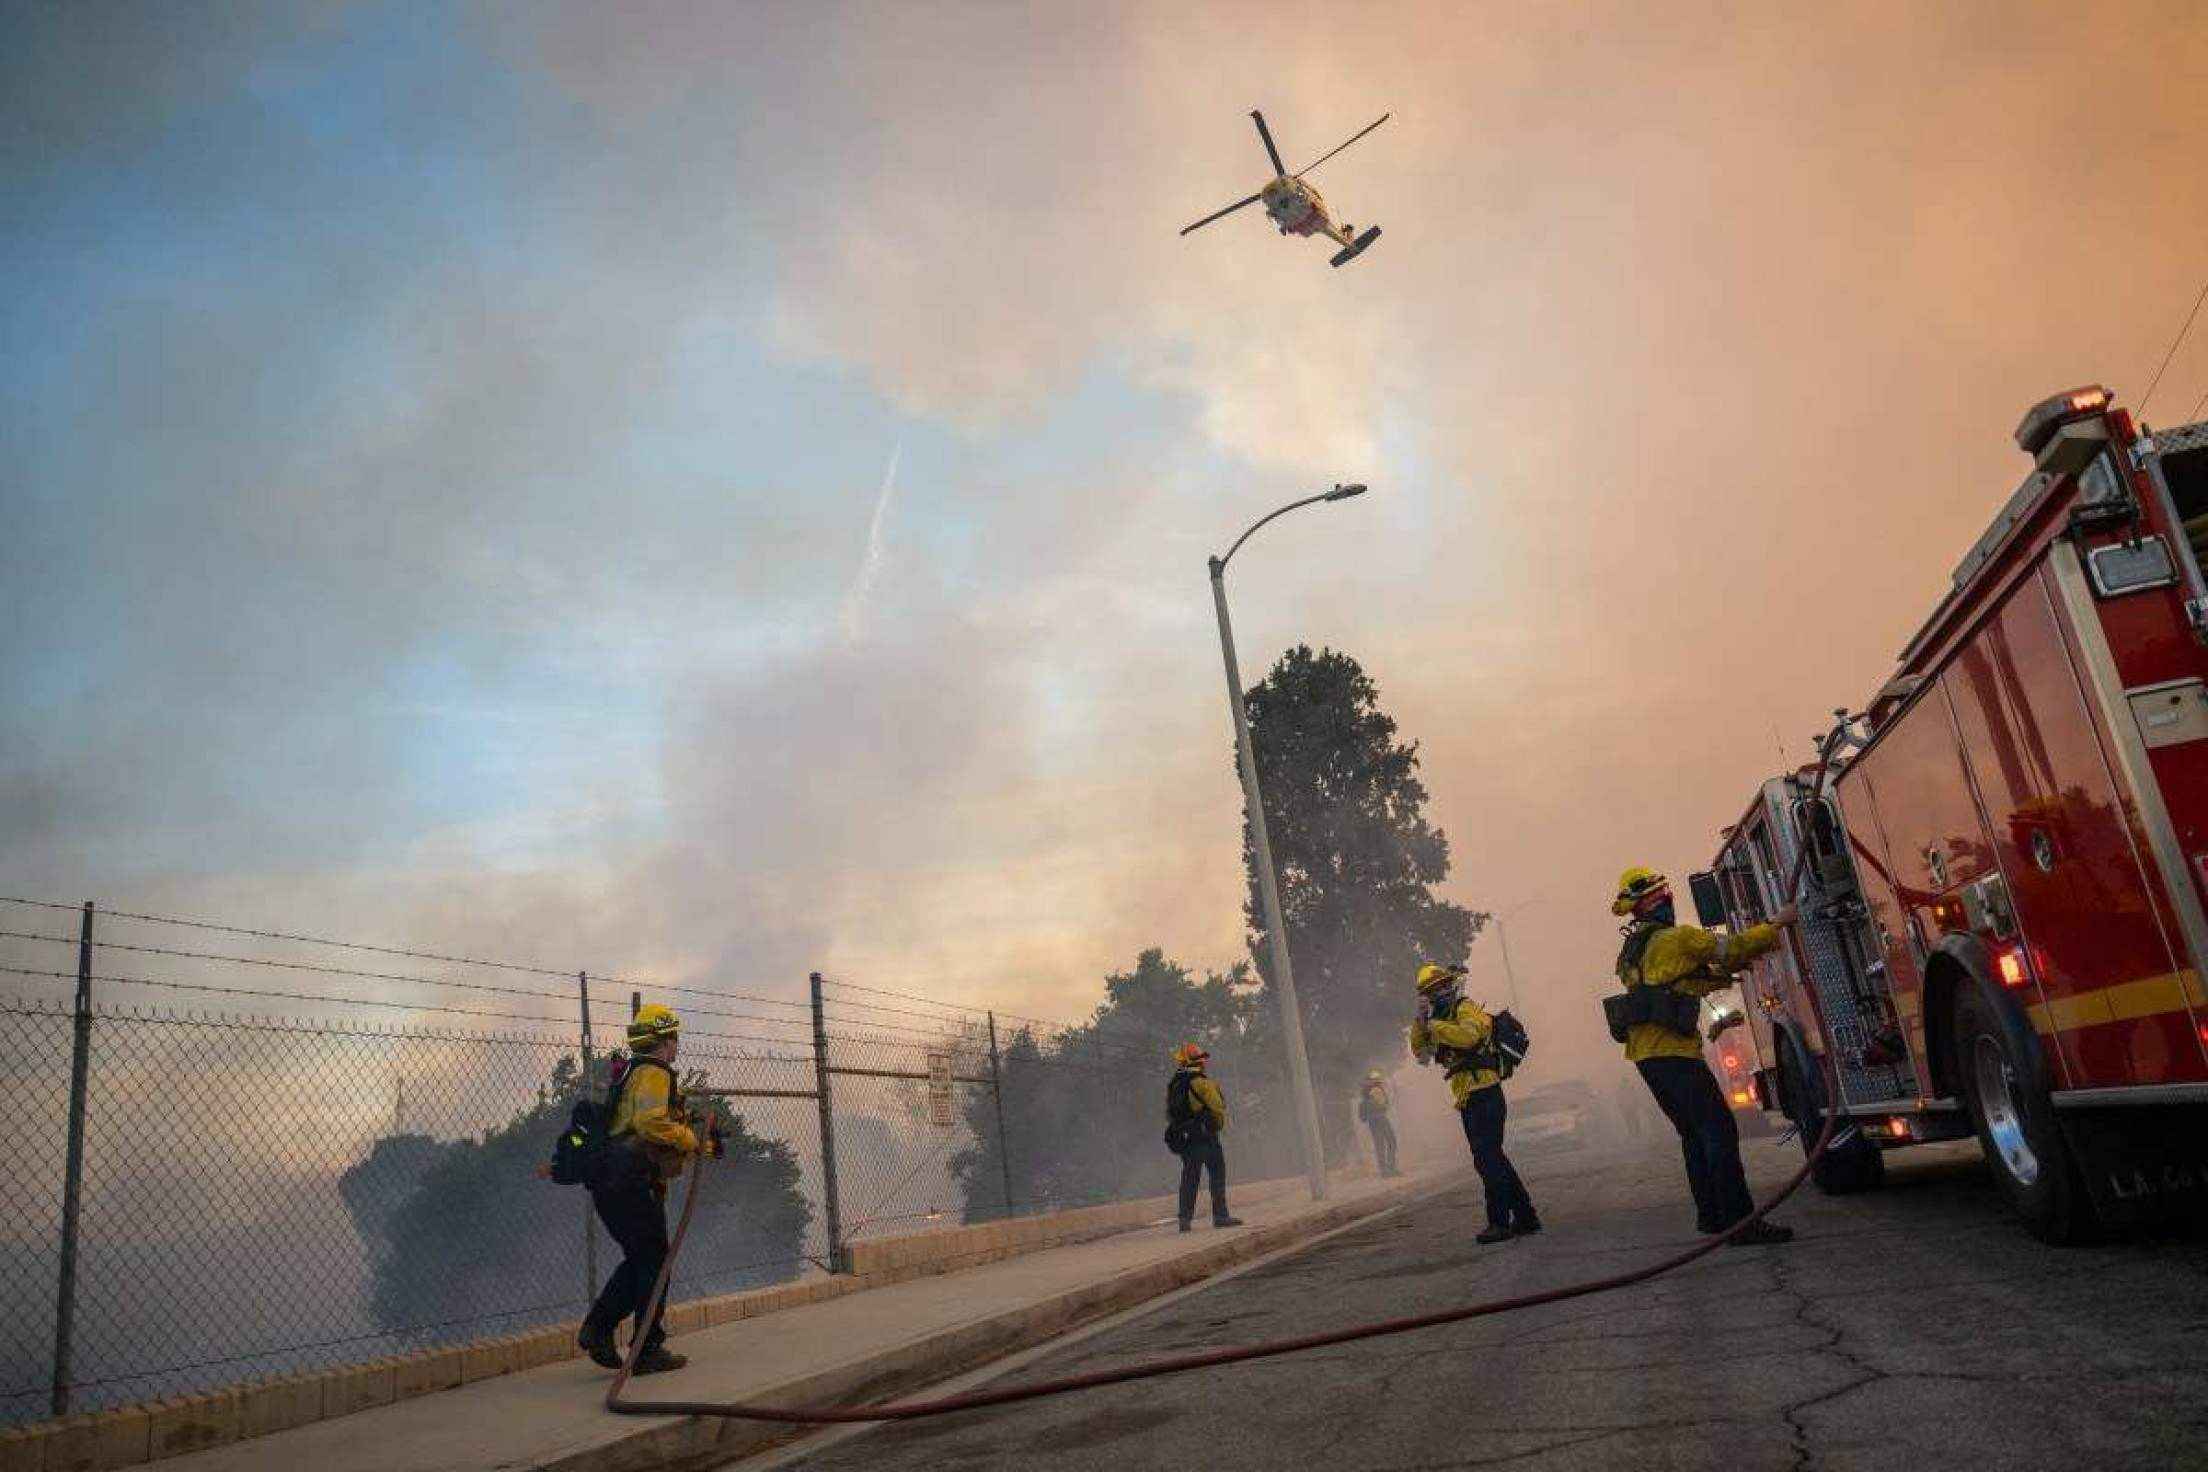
{"x":1914,"y":1327}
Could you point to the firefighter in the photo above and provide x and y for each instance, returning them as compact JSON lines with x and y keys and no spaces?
{"x":1456,"y":1032}
{"x":649,"y":1138}
{"x":1372,"y":1108}
{"x":1195,"y":1114}
{"x":1666,"y":968}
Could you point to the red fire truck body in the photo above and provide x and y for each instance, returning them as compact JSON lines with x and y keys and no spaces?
{"x":2003,"y":908}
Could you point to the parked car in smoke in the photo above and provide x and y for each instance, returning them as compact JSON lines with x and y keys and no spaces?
{"x":1553,"y":1116}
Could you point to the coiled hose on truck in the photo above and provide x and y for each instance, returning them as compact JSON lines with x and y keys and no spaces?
{"x":1236,"y":1354}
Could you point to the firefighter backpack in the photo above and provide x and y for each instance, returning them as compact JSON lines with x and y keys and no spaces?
{"x":584,"y":1154}
{"x":1184,"y":1122}
{"x":1510,"y":1043}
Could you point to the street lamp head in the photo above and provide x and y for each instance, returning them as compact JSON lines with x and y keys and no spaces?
{"x":1343,"y":493}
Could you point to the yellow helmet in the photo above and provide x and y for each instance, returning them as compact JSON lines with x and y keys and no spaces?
{"x":1375,"y":1076}
{"x":1431,"y":976}
{"x":1188,"y":1055}
{"x":652,"y":1025}
{"x":1635,"y":885}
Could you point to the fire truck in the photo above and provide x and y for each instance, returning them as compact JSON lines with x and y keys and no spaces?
{"x":1732,"y":1058}
{"x":2002,"y":903}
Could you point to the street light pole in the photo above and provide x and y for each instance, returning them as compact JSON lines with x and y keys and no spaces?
{"x":1268,"y":886}
{"x":1502,"y":936}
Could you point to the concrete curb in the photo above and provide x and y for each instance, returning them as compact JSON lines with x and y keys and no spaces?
{"x":679,"y":1444}
{"x":128,"y":1436}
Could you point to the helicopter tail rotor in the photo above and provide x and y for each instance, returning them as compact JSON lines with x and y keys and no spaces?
{"x":1271,"y":152}
{"x":1355,"y":248}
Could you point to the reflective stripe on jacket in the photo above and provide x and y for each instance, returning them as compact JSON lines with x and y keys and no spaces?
{"x":1466,"y":1028}
{"x":1695,"y":962}
{"x":644,"y":1111}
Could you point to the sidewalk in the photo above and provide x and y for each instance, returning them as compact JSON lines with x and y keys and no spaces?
{"x":860,"y":1347}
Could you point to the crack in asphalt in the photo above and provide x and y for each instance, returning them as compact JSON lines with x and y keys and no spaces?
{"x":1834,"y":1347}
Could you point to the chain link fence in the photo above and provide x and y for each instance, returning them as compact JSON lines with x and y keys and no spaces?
{"x":194,"y":1199}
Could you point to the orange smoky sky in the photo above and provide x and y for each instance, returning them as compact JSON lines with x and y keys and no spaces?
{"x":1683,"y":374}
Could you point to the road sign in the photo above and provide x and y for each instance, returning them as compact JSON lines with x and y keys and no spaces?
{"x":939,"y":1089}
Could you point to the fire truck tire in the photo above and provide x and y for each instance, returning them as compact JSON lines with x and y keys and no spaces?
{"x":1998,"y":1072}
{"x":1855,"y":1165}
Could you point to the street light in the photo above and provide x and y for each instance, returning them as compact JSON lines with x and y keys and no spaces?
{"x":1502,"y":937}
{"x":1268,"y":886}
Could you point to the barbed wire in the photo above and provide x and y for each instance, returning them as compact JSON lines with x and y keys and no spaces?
{"x":354,"y":945}
{"x":1059,"y":1028}
{"x":309,"y":966}
{"x":235,"y":991}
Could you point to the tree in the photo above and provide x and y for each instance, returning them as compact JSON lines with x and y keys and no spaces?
{"x":462,"y":1231}
{"x":1357,"y":863}
{"x":1085,"y":1107}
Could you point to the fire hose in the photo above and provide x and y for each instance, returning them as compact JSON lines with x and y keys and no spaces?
{"x":1237,"y":1354}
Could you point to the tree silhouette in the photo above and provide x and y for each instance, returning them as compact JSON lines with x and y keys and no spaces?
{"x":463,"y":1231}
{"x":1357,"y":863}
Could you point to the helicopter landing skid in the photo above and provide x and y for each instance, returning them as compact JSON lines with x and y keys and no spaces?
{"x":1356,"y":248}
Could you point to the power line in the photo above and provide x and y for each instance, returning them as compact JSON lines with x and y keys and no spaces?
{"x":2175,"y":343}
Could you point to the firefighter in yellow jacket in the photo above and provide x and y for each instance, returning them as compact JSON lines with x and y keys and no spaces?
{"x":650,"y":1139}
{"x":1195,"y":1116}
{"x":1666,"y":969}
{"x":1457,"y":1033}
{"x":1373,"y":1107}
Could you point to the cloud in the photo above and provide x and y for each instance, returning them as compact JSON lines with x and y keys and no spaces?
{"x":444,"y":450}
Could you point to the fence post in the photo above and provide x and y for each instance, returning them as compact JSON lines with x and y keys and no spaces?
{"x":590,"y":1214}
{"x":72,"y":1190}
{"x":831,"y":1204}
{"x":1004,"y":1141}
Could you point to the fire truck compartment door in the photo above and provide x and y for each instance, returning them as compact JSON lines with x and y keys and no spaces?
{"x":2170,"y":714}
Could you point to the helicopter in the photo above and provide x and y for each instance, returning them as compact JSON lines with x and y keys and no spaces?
{"x":1295,"y":206}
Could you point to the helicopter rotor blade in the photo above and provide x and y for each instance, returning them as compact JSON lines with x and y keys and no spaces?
{"x":1230,"y":209}
{"x":1307,"y":168}
{"x":1271,"y":152}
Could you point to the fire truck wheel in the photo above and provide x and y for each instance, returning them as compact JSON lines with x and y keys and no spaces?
{"x":2015,"y":1121}
{"x":1853,"y":1165}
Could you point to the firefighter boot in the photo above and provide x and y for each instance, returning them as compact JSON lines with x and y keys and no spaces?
{"x":1495,"y":1232}
{"x":658,"y":1360}
{"x":599,"y":1345}
{"x":1761,"y":1234}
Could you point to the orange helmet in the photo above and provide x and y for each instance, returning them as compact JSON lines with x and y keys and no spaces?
{"x":1189,"y":1055}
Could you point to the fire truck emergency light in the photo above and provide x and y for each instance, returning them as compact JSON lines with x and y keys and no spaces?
{"x":2048,"y":415}
{"x":2012,"y":969}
